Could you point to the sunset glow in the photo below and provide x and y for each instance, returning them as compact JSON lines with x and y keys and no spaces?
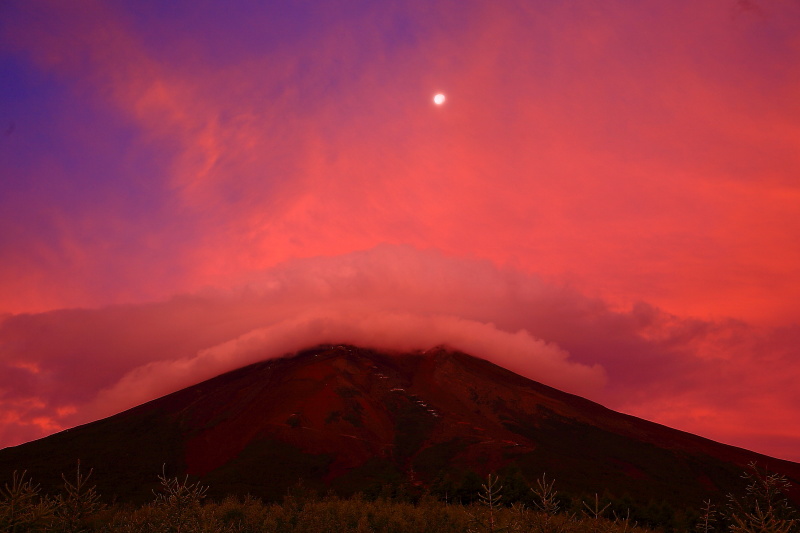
{"x":608,"y":200}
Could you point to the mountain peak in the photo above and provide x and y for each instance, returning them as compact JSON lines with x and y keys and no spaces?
{"x":352,"y":419}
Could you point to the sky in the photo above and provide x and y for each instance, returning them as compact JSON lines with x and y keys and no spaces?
{"x":608,"y":201}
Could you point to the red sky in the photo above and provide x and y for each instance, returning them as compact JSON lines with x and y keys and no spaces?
{"x":608,"y":201}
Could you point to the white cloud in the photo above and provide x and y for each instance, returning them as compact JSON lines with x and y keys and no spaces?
{"x":393,"y":331}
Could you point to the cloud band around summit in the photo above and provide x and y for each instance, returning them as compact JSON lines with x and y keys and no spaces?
{"x":68,"y":367}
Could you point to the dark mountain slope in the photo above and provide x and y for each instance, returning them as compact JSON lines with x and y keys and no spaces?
{"x":357,"y":420}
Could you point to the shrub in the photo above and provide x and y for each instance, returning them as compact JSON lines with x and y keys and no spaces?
{"x":180,"y":507}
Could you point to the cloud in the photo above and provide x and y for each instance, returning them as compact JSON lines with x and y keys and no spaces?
{"x":631,"y":158}
{"x":723,"y":379}
{"x":65,"y":357}
{"x":614,"y":191}
{"x":373,"y":329}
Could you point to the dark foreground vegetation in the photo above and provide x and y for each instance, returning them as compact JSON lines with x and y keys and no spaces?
{"x":181,"y":506}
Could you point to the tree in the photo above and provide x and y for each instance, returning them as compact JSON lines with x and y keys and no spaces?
{"x":764,"y":506}
{"x":78,"y":502}
{"x":708,"y":518}
{"x":181,"y":502}
{"x":489,"y":497}
{"x":21,"y":507}
{"x":545,"y":501}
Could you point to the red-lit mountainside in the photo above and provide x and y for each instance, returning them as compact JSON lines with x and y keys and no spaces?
{"x":348,"y":419}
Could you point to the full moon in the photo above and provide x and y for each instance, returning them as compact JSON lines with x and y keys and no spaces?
{"x":438,"y":99}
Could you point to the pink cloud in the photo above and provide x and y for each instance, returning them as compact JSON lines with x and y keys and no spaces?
{"x":340,"y":325}
{"x":726,"y":380}
{"x":608,"y":190}
{"x":638,"y":153}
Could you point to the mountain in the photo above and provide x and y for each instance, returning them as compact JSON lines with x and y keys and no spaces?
{"x":349,"y":419}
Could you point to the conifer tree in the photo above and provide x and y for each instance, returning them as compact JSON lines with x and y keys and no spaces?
{"x":764,"y":506}
{"x":78,"y":502}
{"x":489,"y":497}
{"x":545,"y":501}
{"x":181,"y":502}
{"x":22,"y":508}
{"x":707,"y":517}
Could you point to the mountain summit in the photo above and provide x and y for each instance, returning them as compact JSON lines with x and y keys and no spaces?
{"x":351,"y":419}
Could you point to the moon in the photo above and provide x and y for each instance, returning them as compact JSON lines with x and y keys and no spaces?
{"x":438,"y":99}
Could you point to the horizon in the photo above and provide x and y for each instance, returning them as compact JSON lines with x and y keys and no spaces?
{"x":604,"y":198}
